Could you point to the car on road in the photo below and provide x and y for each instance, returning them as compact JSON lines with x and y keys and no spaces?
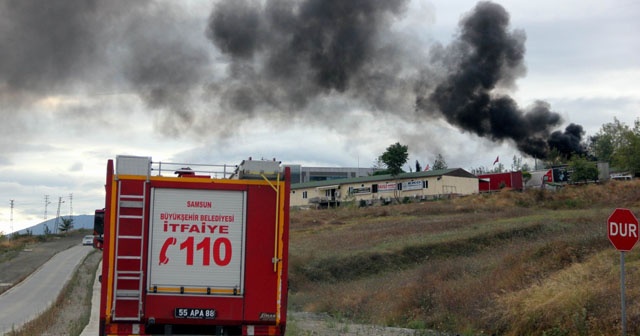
{"x":87,"y":240}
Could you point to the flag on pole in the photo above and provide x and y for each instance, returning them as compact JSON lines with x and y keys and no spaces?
{"x":427,"y":167}
{"x":497,"y":159}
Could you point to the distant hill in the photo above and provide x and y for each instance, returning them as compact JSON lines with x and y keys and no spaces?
{"x":79,"y":222}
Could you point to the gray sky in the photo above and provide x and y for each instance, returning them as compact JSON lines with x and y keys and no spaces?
{"x":319,"y":85}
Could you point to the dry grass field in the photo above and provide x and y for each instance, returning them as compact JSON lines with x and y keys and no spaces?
{"x":510,"y":263}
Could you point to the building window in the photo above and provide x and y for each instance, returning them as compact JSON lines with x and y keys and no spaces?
{"x":304,"y":195}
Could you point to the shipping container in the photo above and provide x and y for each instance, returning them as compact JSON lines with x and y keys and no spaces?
{"x":498,"y":181}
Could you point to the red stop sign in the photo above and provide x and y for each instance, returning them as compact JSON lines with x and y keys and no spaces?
{"x":622,"y":227}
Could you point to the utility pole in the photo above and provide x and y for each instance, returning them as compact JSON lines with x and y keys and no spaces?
{"x":46,"y":204}
{"x":60,"y":201}
{"x":11,"y":220}
{"x":70,"y":205}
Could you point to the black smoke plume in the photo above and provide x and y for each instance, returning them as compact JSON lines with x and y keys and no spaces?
{"x":310,"y":60}
{"x":488,"y":57}
{"x":568,"y":142}
{"x":285,"y":53}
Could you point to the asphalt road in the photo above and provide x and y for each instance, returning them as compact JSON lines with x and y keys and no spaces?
{"x":37,"y":293}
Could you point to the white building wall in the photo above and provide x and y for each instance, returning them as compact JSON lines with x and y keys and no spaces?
{"x":436,"y":186}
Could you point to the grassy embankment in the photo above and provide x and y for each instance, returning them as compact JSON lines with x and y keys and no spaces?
{"x":511,"y":263}
{"x":11,"y":245}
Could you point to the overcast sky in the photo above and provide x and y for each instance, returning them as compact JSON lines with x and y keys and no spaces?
{"x":308,"y":82}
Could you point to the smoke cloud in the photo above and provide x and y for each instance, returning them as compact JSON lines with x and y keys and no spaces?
{"x":45,"y":46}
{"x":100,"y":47}
{"x":290,"y":49}
{"x":311,"y":60}
{"x":569,"y":141}
{"x":488,"y":57}
{"x":286,"y":53}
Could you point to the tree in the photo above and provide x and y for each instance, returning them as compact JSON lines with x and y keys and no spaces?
{"x":618,"y":144}
{"x":517,"y":163}
{"x":479,"y":171}
{"x":439,"y":162}
{"x":379,"y":168}
{"x":66,"y":225}
{"x":498,"y":168}
{"x":608,"y":140}
{"x":395,"y":157}
{"x":627,"y":157}
{"x":583,"y":170}
{"x":555,"y":158}
{"x":378,"y":164}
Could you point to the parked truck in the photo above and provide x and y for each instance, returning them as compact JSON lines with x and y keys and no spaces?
{"x":195,"y":249}
{"x":98,"y":228}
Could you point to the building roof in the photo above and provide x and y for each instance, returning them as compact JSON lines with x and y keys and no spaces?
{"x":458,"y":172}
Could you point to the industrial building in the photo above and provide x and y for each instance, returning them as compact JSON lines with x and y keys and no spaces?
{"x":300,"y":174}
{"x":383,"y":189}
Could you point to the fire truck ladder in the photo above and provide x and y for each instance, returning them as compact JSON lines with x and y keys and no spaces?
{"x":128,"y":270}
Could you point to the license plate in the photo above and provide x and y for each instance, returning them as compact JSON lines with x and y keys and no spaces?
{"x":194,"y":313}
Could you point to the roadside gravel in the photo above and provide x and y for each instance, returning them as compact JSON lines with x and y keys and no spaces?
{"x":74,"y":304}
{"x":312,"y":324}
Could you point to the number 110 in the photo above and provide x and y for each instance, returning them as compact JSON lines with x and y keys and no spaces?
{"x":221,"y":258}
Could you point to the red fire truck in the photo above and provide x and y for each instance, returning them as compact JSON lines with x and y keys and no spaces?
{"x":197,"y":250}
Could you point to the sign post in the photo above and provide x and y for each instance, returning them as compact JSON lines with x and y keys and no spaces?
{"x":622,"y":229}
